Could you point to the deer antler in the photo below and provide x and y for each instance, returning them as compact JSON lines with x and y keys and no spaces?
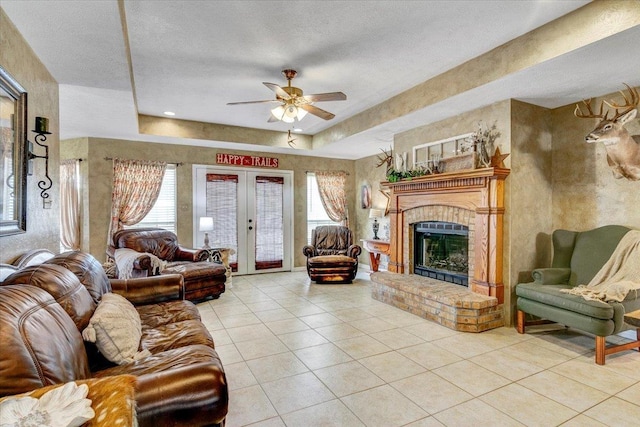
{"x":578,"y":112}
{"x":387,"y":158}
{"x":630,"y":103}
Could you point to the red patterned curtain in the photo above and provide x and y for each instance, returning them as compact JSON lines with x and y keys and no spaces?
{"x":136,"y":185}
{"x":332,"y":187}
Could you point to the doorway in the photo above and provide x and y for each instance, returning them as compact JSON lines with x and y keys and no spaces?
{"x":252,"y":211}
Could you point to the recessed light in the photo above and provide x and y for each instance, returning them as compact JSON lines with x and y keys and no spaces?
{"x":169,"y":113}
{"x":297,"y":130}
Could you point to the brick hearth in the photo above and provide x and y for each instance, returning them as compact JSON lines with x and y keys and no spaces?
{"x":449,"y":305}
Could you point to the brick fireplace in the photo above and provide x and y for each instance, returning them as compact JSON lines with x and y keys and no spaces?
{"x":474,"y":198}
{"x":471,"y":198}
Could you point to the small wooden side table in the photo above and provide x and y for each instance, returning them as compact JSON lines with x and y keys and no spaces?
{"x":375,"y":249}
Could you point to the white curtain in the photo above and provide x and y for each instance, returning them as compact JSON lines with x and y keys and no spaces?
{"x":69,"y":205}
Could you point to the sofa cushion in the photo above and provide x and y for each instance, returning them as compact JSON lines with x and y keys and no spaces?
{"x":87,"y":269}
{"x":175,"y":335}
{"x":63,"y":285}
{"x":34,"y":355}
{"x":163,"y":313}
{"x":551,"y":295}
{"x":116,"y":329}
{"x":329,"y":261}
{"x":183,"y":378}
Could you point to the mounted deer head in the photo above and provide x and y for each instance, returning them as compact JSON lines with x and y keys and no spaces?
{"x":623,"y":149}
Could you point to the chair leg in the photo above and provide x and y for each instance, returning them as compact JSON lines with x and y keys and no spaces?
{"x":601,"y":345}
{"x":602,"y":350}
{"x":521,"y":322}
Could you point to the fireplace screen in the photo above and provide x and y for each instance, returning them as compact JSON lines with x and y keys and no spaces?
{"x":441,"y":251}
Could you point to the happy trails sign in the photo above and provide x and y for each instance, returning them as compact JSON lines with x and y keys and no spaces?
{"x":240,"y":160}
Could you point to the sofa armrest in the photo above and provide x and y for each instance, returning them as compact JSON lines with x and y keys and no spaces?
{"x":148,"y":290}
{"x":353,"y":251}
{"x":189,"y":254}
{"x":309,"y":251}
{"x":551,"y":276}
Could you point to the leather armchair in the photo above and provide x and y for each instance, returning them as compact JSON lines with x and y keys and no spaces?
{"x":44,"y":308}
{"x":332,"y":257}
{"x":202,"y":279}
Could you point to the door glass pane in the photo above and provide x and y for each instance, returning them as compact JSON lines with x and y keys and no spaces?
{"x":222,"y":206}
{"x":269,"y":227}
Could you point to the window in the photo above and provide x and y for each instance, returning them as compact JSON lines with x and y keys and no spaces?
{"x":163,"y":213}
{"x":316,"y":214}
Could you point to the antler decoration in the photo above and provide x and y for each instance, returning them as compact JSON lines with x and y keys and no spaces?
{"x":631,"y":102}
{"x":291,"y":140}
{"x":387,"y":158}
{"x":629,"y":105}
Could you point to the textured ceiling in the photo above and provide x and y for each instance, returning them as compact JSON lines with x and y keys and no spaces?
{"x":193,"y":57}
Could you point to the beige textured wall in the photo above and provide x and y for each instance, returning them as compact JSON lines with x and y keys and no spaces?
{"x":529,"y":199}
{"x":367,"y":173}
{"x":585,"y":193}
{"x":43,"y":229}
{"x":99,"y":176}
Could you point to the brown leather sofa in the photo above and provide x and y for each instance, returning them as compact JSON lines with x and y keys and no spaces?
{"x":44,"y":308}
{"x":332,"y":257}
{"x":202,"y":279}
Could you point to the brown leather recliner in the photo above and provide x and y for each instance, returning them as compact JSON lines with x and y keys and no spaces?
{"x":44,"y":308}
{"x":202,"y":279}
{"x":332,"y":257}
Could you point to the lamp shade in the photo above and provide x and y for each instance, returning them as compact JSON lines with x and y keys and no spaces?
{"x":376,"y":213}
{"x":206,"y":223}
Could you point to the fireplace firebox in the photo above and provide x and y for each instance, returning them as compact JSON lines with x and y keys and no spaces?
{"x":441,"y":251}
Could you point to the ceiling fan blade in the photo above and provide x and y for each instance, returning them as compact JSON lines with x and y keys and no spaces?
{"x":318,"y":112}
{"x":277,"y":89}
{"x":331,"y":96}
{"x":272,"y":119}
{"x":252,"y":102}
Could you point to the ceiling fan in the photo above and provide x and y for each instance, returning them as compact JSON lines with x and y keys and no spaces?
{"x":293,"y":104}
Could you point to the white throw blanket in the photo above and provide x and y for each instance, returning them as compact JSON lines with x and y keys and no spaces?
{"x":125,"y":258}
{"x":618,"y":276}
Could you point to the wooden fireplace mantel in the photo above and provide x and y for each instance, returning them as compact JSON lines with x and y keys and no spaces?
{"x":477,"y":190}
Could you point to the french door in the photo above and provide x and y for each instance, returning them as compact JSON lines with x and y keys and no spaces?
{"x":252,"y":214}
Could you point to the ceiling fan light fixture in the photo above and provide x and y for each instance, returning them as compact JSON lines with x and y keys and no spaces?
{"x":301,"y":114}
{"x":291,"y":111}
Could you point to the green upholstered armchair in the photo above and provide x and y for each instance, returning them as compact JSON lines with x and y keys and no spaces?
{"x":577,"y":258}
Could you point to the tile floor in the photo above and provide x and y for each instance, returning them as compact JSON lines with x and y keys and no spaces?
{"x":302,"y":354}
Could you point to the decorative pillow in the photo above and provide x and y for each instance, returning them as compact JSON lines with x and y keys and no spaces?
{"x":64,"y":406}
{"x":116,"y":329}
{"x":112,"y":399}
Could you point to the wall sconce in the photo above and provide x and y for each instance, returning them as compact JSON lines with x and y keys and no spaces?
{"x":42,"y":130}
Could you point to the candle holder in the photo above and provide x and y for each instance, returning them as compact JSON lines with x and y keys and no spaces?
{"x":42,"y":130}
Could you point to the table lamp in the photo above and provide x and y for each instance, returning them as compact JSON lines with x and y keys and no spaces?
{"x":206,"y":225}
{"x":375,"y":214}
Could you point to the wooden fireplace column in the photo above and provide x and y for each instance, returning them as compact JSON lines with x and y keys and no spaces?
{"x":478,"y":190}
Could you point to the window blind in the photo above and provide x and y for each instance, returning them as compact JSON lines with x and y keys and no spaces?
{"x":269,"y":222}
{"x":222,"y":205}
